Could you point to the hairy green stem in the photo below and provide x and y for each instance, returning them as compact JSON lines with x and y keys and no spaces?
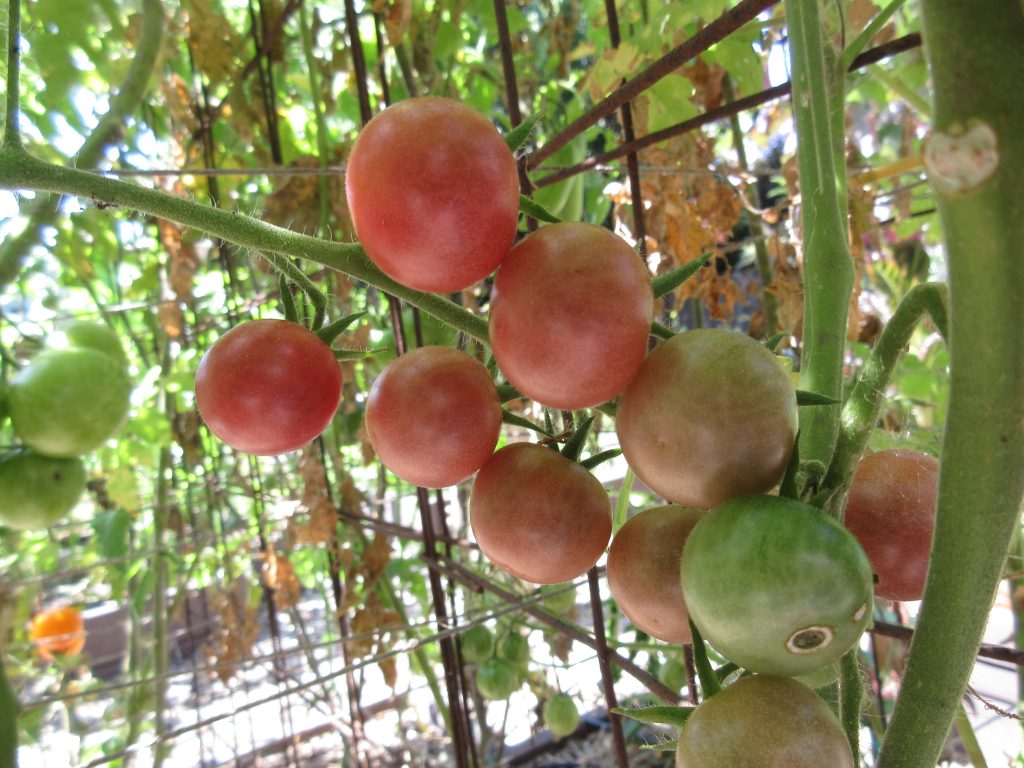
{"x":12,"y":134}
{"x":19,"y":170}
{"x":43,"y":211}
{"x":863,"y":406}
{"x":321,"y":120}
{"x":828,"y":266}
{"x":975,"y":161}
{"x":160,"y":647}
{"x":851,"y":703}
{"x":8,"y":722}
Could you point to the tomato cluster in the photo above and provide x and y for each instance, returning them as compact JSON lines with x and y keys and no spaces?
{"x":706,"y":419}
{"x":69,"y":400}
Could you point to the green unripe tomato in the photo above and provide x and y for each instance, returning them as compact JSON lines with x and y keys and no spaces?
{"x":673,"y":674}
{"x":89,"y":335}
{"x":561,"y":715}
{"x":710,"y":416}
{"x":37,"y":491}
{"x":562,"y":599}
{"x":515,"y":649}
{"x":67,"y":402}
{"x":763,"y":722}
{"x":819,"y":678}
{"x":496,"y":679}
{"x":477,"y":643}
{"x":775,"y":585}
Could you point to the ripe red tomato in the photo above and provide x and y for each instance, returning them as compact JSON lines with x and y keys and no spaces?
{"x":570,"y":315}
{"x":643,"y":571}
{"x":775,"y":585}
{"x":711,"y":415}
{"x":538,"y":515}
{"x":434,"y":194}
{"x":433,"y":416}
{"x":891,"y":511}
{"x":763,"y":722}
{"x":268,"y":387}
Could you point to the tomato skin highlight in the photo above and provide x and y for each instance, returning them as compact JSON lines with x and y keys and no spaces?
{"x":538,"y":515}
{"x":570,"y":315}
{"x":776,"y":585}
{"x":891,"y":510}
{"x":763,"y":722}
{"x":710,"y":416}
{"x":433,"y":416}
{"x":643,"y":571}
{"x":268,"y":387}
{"x":434,"y":194}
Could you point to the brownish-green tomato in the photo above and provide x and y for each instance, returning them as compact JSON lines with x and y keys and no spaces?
{"x":711,"y":415}
{"x":763,"y":722}
{"x":643,"y":571}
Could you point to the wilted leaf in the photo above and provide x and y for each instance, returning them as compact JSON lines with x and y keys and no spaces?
{"x":279,"y":575}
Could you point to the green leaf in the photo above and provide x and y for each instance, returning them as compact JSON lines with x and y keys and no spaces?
{"x":574,"y":445}
{"x":709,"y":682}
{"x":507,"y":392}
{"x":534,"y":209}
{"x":657,"y":714}
{"x":813,"y":398}
{"x":773,"y":343}
{"x":662,"y":332}
{"x":670,"y":101}
{"x":671,"y":280}
{"x":330,"y":332}
{"x":446,"y":43}
{"x":507,"y":417}
{"x":518,"y":136}
{"x":600,"y":458}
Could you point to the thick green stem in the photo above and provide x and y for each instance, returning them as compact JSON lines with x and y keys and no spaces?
{"x":851,"y":703}
{"x":160,"y":647}
{"x":8,"y":722}
{"x":321,"y":120}
{"x":863,"y":406}
{"x":828,"y":267}
{"x":12,"y":136}
{"x":19,"y":170}
{"x":43,"y":211}
{"x":975,"y":161}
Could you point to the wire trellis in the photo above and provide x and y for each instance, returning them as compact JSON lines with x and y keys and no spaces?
{"x":444,"y":554}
